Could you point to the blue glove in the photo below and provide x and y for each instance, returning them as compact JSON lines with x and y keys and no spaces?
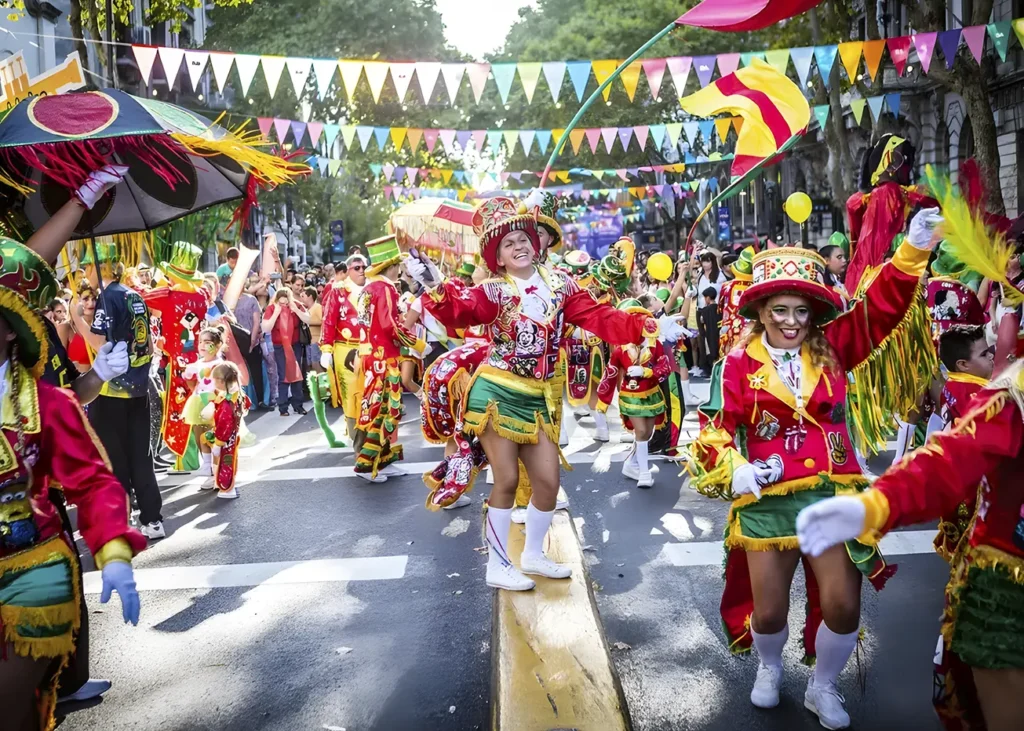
{"x":118,"y":576}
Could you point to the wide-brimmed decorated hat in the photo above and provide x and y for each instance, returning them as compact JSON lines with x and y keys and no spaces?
{"x":743,"y":267}
{"x":26,"y":283}
{"x":466,"y":269}
{"x":615,"y":272}
{"x":577,"y":261}
{"x":384,"y":252}
{"x":790,"y":270}
{"x":182,"y":266}
{"x":497,"y":217}
{"x":546,"y":213}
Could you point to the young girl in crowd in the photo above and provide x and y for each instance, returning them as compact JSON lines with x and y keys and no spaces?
{"x":211,"y":345}
{"x":229,"y":406}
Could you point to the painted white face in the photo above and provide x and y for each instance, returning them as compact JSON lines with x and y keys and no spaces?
{"x":516,"y":250}
{"x":787,"y":320}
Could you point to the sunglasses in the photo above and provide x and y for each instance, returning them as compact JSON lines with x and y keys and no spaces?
{"x":357,"y":268}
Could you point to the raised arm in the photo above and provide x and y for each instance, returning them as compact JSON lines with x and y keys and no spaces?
{"x":861,"y":329}
{"x":461,"y":307}
{"x":611,"y":325}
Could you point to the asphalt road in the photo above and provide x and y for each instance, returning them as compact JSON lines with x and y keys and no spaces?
{"x":319,"y":601}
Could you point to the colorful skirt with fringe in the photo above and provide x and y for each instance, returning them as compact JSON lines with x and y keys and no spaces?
{"x":40,"y":596}
{"x":517,"y":408}
{"x":648,"y":404}
{"x":769,"y":524}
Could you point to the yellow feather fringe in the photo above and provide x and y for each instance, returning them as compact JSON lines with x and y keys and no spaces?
{"x":970,"y":241}
{"x":240,"y":145}
{"x":892,"y":378}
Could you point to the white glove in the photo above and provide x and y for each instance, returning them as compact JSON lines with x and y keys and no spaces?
{"x":99,"y":182}
{"x":635,"y":371}
{"x":111,"y":361}
{"x":326,"y":361}
{"x":922,"y":226}
{"x":750,"y":478}
{"x":829,"y":523}
{"x":671,"y":330}
{"x":423,"y":270}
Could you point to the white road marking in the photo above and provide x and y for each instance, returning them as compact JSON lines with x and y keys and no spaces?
{"x":317,"y":571}
{"x":709,"y":553}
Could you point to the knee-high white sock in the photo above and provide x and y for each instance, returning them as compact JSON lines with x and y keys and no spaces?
{"x":687,"y":393}
{"x":641,"y":455}
{"x":833,"y":651}
{"x":769,"y":647}
{"x":600,"y":419}
{"x":205,"y":459}
{"x":537,"y":524}
{"x":499,"y":521}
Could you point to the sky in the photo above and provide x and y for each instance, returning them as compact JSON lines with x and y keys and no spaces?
{"x":478,"y":27}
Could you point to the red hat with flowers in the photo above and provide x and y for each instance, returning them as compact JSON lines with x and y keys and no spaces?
{"x":496,"y":218}
{"x":790,"y":270}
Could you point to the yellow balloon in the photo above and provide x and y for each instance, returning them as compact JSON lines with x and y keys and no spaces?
{"x":798,"y":207}
{"x":659,"y":266}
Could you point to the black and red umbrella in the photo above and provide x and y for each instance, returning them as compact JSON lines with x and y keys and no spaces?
{"x":178,"y":162}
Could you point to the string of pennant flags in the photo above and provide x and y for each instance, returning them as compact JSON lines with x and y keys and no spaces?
{"x":399,"y":193}
{"x":296,"y":131}
{"x":399,"y":173}
{"x":338,"y":138}
{"x":324,"y":72}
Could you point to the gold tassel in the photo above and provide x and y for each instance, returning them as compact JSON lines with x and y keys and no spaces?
{"x":892,"y":378}
{"x":240,"y":146}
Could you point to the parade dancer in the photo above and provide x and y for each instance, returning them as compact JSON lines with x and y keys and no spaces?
{"x":229,"y":408}
{"x":46,"y":438}
{"x":514,"y":400}
{"x":877,"y":216}
{"x":774,"y":438}
{"x":979,"y":459}
{"x":380,"y":409}
{"x":200,"y":375}
{"x":637,"y":371}
{"x":733,"y":323}
{"x":340,"y":335}
{"x":180,"y":307}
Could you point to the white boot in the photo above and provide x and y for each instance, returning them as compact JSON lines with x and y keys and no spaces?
{"x":644,"y":477}
{"x":501,"y":574}
{"x":601,"y":426}
{"x":690,"y":399}
{"x":904,"y":438}
{"x":630,"y":468}
{"x":205,"y":464}
{"x":533,"y":560}
{"x":519,"y":515}
{"x":461,"y":502}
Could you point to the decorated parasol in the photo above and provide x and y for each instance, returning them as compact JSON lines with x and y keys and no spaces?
{"x":435,"y":224}
{"x":178,"y":162}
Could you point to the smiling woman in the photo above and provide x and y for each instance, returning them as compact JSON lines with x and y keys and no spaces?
{"x":774,"y":439}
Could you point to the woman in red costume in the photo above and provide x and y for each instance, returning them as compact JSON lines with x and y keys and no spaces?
{"x":513,"y":403}
{"x":877,"y":216}
{"x":774,"y":438}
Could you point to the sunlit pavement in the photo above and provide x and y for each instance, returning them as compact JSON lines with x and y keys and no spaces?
{"x":320,"y":601}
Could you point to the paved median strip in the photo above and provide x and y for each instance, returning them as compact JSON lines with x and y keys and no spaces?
{"x":551,"y":668}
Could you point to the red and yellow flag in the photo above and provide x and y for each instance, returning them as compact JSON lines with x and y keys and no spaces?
{"x":774,"y":111}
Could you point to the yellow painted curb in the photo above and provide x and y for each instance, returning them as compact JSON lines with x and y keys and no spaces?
{"x":551,"y":668}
